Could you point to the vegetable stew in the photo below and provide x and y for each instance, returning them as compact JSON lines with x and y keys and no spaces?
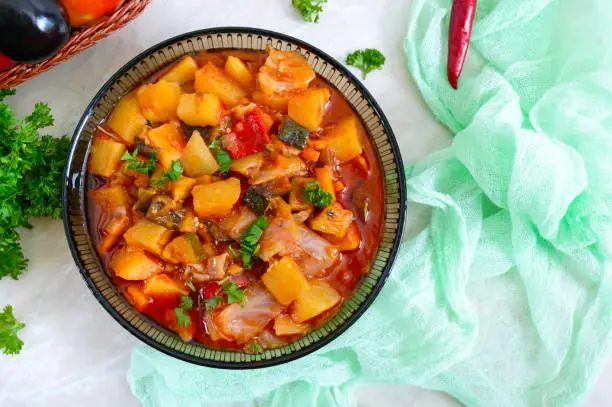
{"x":235,"y":199}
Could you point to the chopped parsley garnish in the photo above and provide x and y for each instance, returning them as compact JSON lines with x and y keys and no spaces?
{"x":367,"y":60}
{"x":310,"y":9}
{"x":234,"y":293}
{"x":174,"y":172}
{"x":365,"y":210}
{"x":314,"y":192}
{"x":10,"y":344}
{"x":31,"y":168}
{"x":211,"y":303}
{"x":139,"y":166}
{"x":223,"y":158}
{"x":232,"y":252}
{"x":182,"y":316}
{"x":190,"y":285}
{"x":248,"y":243}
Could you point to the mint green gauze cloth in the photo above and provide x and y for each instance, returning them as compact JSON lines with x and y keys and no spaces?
{"x":505,"y":299}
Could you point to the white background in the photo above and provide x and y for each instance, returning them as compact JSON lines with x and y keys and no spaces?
{"x":74,"y":353}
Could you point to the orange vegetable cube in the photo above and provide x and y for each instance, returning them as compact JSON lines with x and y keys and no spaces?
{"x":114,"y":196}
{"x":275,"y":101}
{"x":132,"y":263}
{"x":158,"y":101}
{"x":318,"y":144}
{"x":212,"y":79}
{"x":308,"y":107}
{"x":343,"y":139}
{"x":239,"y":72}
{"x":185,"y":249}
{"x":168,"y":137}
{"x":319,"y":298}
{"x":285,"y":326}
{"x":188,"y":223}
{"x":285,"y":280}
{"x":234,"y":269}
{"x":350,"y":241}
{"x":197,"y":159}
{"x":310,"y":154}
{"x":163,"y":285}
{"x":339,"y":186}
{"x":107,"y":243}
{"x":117,"y":225}
{"x":361,"y":164}
{"x":148,"y":235}
{"x":217,"y":198}
{"x":202,"y":109}
{"x":334,"y":220}
{"x":182,"y":72}
{"x":181,"y":188}
{"x":105,"y":156}
{"x":136,"y":297}
{"x":325,"y":177}
{"x":126,"y":119}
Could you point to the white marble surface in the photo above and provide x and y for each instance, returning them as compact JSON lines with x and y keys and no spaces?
{"x":74,"y":353}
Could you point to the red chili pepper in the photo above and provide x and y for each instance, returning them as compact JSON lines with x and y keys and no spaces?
{"x":459,"y":32}
{"x":211,"y":290}
{"x":5,"y":62}
{"x":249,"y":136}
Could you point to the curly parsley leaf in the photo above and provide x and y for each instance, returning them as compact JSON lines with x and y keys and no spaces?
{"x":211,"y":303}
{"x":186,"y":303}
{"x":310,"y":9}
{"x":367,"y":60}
{"x":30,"y":178}
{"x":248,"y":242}
{"x":234,"y":293}
{"x":182,"y":317}
{"x":314,"y":192}
{"x":145,"y":167}
{"x":223,"y":158}
{"x":174,"y":172}
{"x":10,"y":344}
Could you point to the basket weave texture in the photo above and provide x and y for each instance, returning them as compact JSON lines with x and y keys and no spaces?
{"x":80,"y":39}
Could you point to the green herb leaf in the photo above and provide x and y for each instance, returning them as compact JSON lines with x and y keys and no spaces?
{"x":10,"y":344}
{"x":174,"y":172}
{"x":223,"y":158}
{"x":367,"y":60}
{"x":248,"y":243}
{"x":310,"y":9}
{"x":254,"y":347}
{"x":190,"y":285}
{"x":139,"y":166}
{"x":186,"y":303}
{"x":232,"y":252}
{"x":365,"y":210}
{"x":234,"y":293}
{"x":314,"y":192}
{"x":211,"y":303}
{"x":182,"y":317}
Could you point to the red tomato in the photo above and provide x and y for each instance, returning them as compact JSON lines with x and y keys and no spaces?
{"x":5,"y":62}
{"x":84,"y":12}
{"x":211,"y":290}
{"x":249,"y":136}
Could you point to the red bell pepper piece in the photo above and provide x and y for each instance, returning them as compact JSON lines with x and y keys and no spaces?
{"x":249,"y":135}
{"x":459,"y":33}
{"x":5,"y":63}
{"x":210,"y":291}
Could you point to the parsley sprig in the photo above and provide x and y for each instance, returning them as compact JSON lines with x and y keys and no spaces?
{"x":310,"y":9}
{"x":367,"y":60}
{"x":223,"y":158}
{"x":10,"y":344}
{"x":174,"y":172}
{"x":248,"y":244}
{"x":229,"y":289}
{"x":134,"y":164}
{"x":181,"y":312}
{"x":314,"y":192}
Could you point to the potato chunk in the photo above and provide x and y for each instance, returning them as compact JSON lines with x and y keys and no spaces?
{"x":212,"y":79}
{"x":350,"y":241}
{"x":308,"y":107}
{"x":158,"y":101}
{"x":334,"y":220}
{"x":163,"y":285}
{"x":148,"y":235}
{"x":182,"y":72}
{"x":111,"y":197}
{"x":105,"y":156}
{"x":202,"y":109}
{"x":284,"y":326}
{"x":126,"y":119}
{"x":181,"y":188}
{"x":319,"y":298}
{"x":132,"y":263}
{"x":283,"y":72}
{"x":285,"y":280}
{"x":239,"y":71}
{"x":216,"y":198}
{"x":136,"y":296}
{"x":170,"y":141}
{"x":185,"y":249}
{"x":197,"y":159}
{"x":343,"y":140}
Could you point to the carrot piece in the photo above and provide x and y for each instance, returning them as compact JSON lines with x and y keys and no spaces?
{"x":361,"y":164}
{"x":338,"y":186}
{"x":310,"y":154}
{"x":319,"y":144}
{"x":325,"y":177}
{"x":281,"y":161}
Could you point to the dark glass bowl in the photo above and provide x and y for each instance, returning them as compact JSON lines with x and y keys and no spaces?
{"x":129,"y":77}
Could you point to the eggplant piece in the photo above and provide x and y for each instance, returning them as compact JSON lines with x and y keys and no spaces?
{"x":32,"y":30}
{"x":164,"y":211}
{"x":294,"y":134}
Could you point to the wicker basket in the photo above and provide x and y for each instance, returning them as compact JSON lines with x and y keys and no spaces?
{"x":81,"y":38}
